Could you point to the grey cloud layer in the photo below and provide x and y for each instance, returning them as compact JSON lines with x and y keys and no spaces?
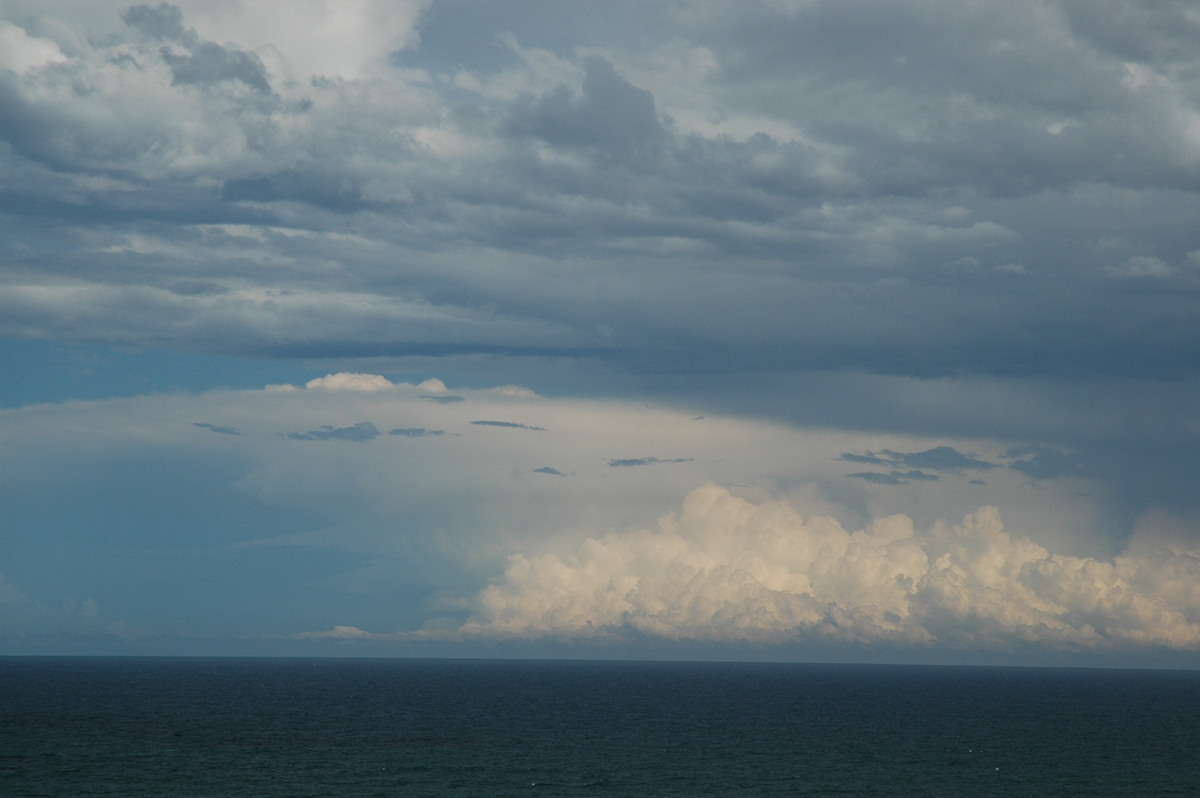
{"x":810,"y":186}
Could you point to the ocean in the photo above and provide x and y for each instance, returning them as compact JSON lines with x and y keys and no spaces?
{"x":371,"y":727}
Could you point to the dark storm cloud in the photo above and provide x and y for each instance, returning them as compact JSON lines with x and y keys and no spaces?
{"x":361,"y":432}
{"x":872,"y":242}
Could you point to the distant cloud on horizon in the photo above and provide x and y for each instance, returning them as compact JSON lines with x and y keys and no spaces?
{"x":725,"y":569}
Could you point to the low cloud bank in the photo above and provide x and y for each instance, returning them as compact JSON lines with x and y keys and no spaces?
{"x":727,"y":569}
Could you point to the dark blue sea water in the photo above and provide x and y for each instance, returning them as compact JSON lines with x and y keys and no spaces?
{"x":353,"y":727}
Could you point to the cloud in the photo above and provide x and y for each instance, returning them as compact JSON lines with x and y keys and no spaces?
{"x":10,"y":594}
{"x":215,"y":428}
{"x":444,"y":400}
{"x":1038,"y":462}
{"x":724,"y":568}
{"x":344,"y":381}
{"x":643,"y":461}
{"x":895,"y":477}
{"x":416,"y":432}
{"x":938,"y":232}
{"x":869,"y":457}
{"x":437,"y":392}
{"x":337,"y":633}
{"x":203,"y":62}
{"x":939,"y":458}
{"x":725,"y":216}
{"x":20,"y":52}
{"x":380,"y":537}
{"x":303,"y":39}
{"x":302,"y":183}
{"x":1034,"y":462}
{"x":361,"y":432}
{"x":164,"y":21}
{"x":878,"y":479}
{"x":23,"y":617}
{"x":510,"y":424}
{"x":612,"y":118}
{"x":1142,"y":267}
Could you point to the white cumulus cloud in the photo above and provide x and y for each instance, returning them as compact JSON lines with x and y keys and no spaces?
{"x":728,"y":569}
{"x":346,"y":381}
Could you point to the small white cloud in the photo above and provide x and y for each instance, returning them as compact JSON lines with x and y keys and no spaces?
{"x":127,"y":632}
{"x":346,"y":381}
{"x":433,"y":385}
{"x":1012,"y":268}
{"x":88,"y":608}
{"x":338,"y":633}
{"x":1142,"y":266}
{"x":516,"y":391}
{"x":11,"y":595}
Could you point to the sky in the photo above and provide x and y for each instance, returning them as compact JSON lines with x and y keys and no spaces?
{"x":756,"y":329}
